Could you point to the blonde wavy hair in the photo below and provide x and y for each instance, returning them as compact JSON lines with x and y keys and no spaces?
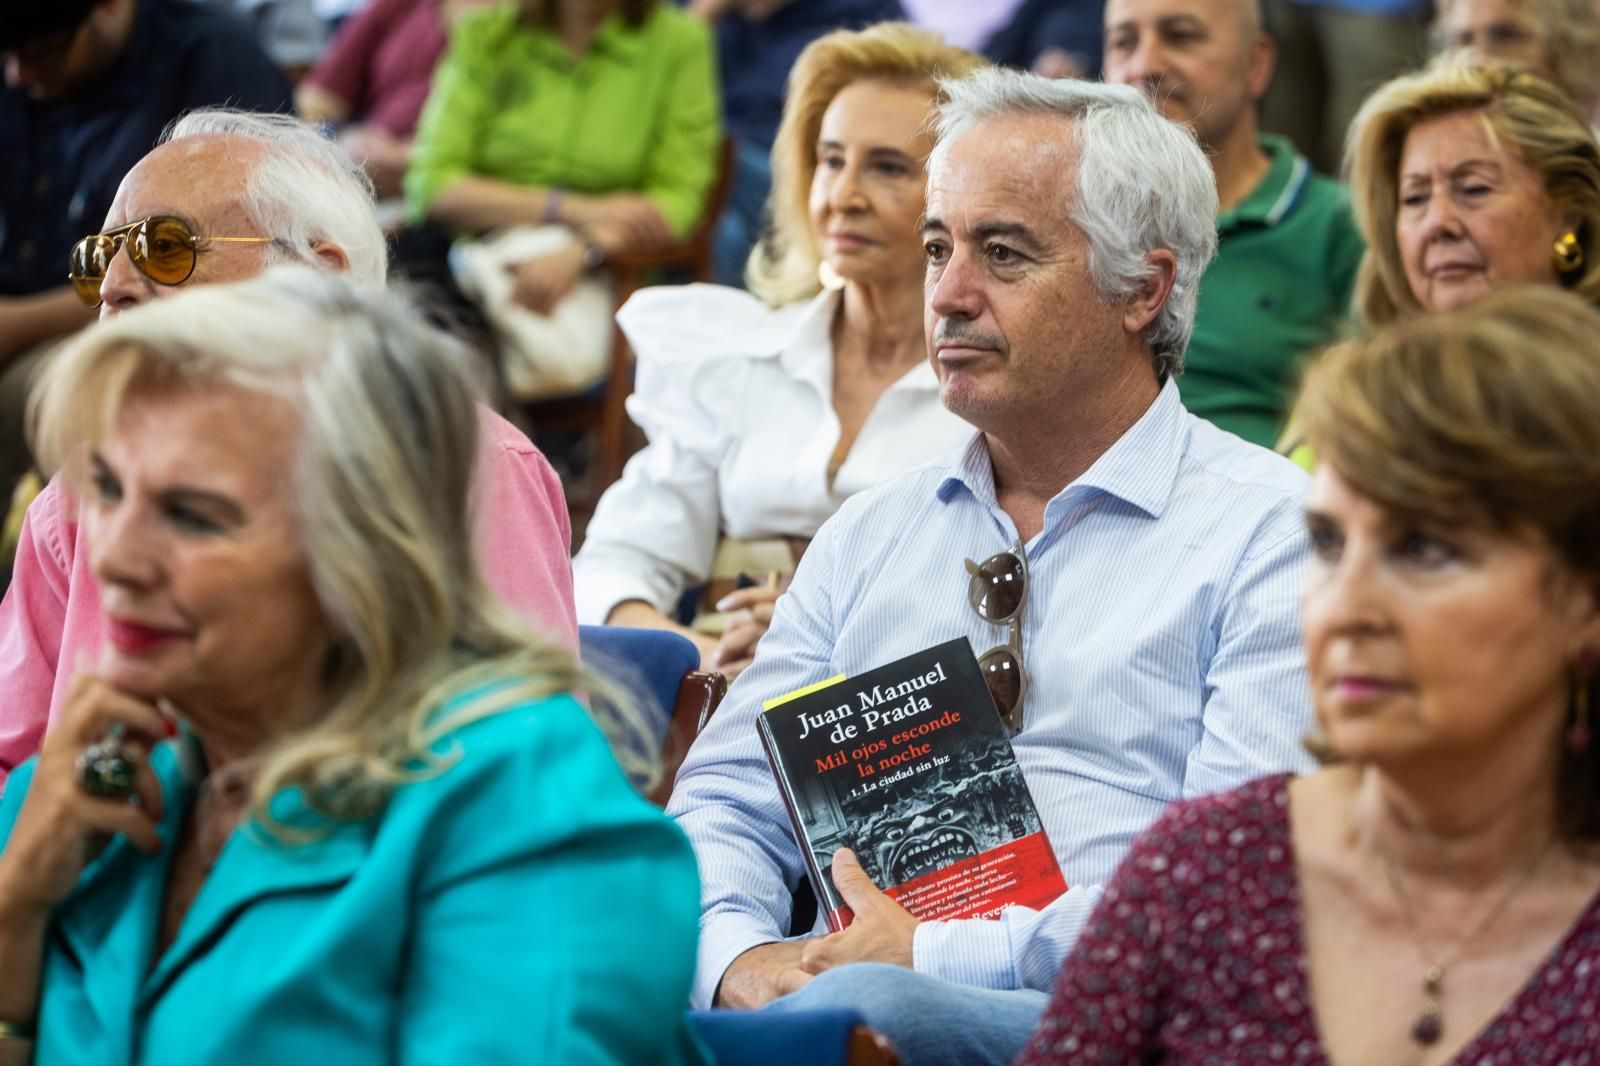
{"x":782,"y":268}
{"x":1523,"y":111}
{"x":1484,"y":418}
{"x":380,"y":492}
{"x":1569,"y":34}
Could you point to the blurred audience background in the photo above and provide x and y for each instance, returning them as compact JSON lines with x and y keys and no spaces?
{"x":1332,"y":53}
{"x":553,"y":179}
{"x":560,"y":133}
{"x":1558,"y":38}
{"x":1287,"y":249}
{"x":371,"y":83}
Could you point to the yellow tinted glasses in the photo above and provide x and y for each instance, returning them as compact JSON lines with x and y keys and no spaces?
{"x":162,"y":247}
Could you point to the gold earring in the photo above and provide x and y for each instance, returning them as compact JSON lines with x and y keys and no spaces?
{"x":1568,"y":253}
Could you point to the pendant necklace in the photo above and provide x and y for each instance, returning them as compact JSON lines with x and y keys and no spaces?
{"x":1429,"y":1026}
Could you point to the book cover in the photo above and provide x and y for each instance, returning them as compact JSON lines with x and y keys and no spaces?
{"x":910,"y":767}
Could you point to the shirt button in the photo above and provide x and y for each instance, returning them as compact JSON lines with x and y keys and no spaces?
{"x":42,"y":184}
{"x":25,"y":250}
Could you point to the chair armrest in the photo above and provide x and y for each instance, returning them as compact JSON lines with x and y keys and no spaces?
{"x":699,"y":695}
{"x":678,"y":253}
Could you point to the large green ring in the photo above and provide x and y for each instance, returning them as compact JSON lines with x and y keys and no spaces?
{"x":104,"y":770}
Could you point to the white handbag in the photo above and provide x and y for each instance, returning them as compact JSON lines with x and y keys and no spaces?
{"x":541,"y":356}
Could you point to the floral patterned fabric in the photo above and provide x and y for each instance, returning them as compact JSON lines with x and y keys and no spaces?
{"x":1196,"y":954}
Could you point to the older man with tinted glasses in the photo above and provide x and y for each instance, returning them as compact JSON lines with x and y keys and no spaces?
{"x":89,"y":85}
{"x":1153,"y":565}
{"x":226,"y":195}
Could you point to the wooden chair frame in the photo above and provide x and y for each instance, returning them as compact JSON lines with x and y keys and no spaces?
{"x":699,"y":695}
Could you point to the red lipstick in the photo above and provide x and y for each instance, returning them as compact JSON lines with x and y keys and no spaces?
{"x":132,"y":638}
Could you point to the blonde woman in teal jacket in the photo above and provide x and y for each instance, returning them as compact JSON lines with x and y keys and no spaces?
{"x":321,"y":801}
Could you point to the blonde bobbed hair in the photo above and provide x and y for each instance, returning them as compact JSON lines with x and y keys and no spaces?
{"x":1532,"y":118}
{"x":782,"y":268}
{"x":1569,"y":34}
{"x":380,"y":496}
{"x":1482,"y":418}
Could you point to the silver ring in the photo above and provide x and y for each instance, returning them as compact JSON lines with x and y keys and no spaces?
{"x":105,"y":770}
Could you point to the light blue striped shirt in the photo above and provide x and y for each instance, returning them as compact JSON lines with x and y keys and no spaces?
{"x":1161,"y":640}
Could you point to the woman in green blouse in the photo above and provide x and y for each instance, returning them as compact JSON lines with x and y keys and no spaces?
{"x":598,"y":116}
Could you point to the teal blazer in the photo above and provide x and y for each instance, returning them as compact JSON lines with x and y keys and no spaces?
{"x":524,"y":906}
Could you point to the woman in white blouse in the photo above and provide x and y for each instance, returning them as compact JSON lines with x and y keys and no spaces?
{"x":764,"y":412}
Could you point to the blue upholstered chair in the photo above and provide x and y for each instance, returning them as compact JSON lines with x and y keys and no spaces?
{"x":661,"y":670}
{"x":794,"y":1038}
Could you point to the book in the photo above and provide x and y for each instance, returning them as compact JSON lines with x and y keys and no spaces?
{"x":910,"y":766}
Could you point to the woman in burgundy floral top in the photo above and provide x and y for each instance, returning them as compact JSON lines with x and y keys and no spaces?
{"x":1430,"y":897}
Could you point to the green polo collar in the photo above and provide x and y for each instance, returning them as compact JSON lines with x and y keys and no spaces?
{"x":615,"y":39}
{"x":1273,"y":199}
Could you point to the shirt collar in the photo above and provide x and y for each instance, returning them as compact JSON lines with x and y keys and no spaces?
{"x":970,"y":469}
{"x":615,"y":39}
{"x":1141,"y":468}
{"x":805,"y":349}
{"x":1277,"y":193}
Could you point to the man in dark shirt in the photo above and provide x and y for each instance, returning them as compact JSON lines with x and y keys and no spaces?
{"x":89,"y":85}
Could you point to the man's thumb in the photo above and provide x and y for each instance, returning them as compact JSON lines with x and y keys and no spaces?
{"x":851,"y":880}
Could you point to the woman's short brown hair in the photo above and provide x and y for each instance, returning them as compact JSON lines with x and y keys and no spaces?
{"x":1488,"y":416}
{"x":1530,"y":116}
{"x":783,"y":267}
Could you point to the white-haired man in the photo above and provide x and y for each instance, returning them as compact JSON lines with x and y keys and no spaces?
{"x":1163,"y":556}
{"x":1287,"y":248}
{"x":278,"y":192}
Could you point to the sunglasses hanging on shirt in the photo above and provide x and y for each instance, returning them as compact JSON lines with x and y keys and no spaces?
{"x":997,"y":590}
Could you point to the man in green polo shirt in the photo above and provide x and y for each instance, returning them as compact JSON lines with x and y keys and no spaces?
{"x":1287,"y":247}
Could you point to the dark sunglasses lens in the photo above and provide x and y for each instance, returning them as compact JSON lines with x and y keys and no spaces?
{"x":164,"y":249}
{"x":1002,"y":673}
{"x":997,"y":587}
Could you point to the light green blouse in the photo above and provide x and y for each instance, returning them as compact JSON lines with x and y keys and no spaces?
{"x":639,"y":111}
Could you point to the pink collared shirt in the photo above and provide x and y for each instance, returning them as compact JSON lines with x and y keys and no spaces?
{"x":50,"y":618}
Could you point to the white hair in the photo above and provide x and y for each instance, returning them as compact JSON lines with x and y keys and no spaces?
{"x":1143,"y":184}
{"x":305,"y":189}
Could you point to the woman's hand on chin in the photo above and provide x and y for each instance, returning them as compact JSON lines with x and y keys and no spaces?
{"x":62,"y":826}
